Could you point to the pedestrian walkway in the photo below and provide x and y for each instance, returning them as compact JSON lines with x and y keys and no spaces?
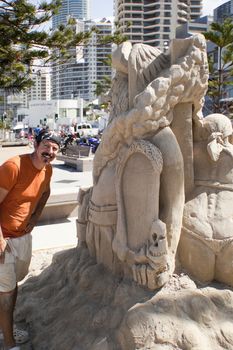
{"x":65,"y":177}
{"x":65,"y":181}
{"x":58,"y":234}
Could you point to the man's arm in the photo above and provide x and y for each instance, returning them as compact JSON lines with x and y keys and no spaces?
{"x":37,"y":212}
{"x":3,"y":243}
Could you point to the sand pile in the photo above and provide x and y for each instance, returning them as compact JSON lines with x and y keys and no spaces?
{"x":75,"y":304}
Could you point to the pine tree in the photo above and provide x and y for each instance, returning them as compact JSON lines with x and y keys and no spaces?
{"x":24,"y":38}
{"x":221,"y":74}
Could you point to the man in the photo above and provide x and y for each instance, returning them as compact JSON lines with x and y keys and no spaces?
{"x":24,"y":190}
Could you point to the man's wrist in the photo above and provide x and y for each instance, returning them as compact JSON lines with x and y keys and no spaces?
{"x":1,"y":234}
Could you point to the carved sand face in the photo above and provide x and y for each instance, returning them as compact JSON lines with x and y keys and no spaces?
{"x":157,"y":245}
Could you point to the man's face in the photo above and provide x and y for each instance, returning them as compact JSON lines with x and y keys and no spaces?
{"x":46,"y":151}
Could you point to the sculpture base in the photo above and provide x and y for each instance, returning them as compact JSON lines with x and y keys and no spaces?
{"x":105,"y":313}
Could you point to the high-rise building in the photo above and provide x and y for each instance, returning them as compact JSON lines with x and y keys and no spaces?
{"x":195,"y":9}
{"x":154,"y":22}
{"x":41,"y":88}
{"x":198,"y":26}
{"x":76,"y":77}
{"x":18,"y":103}
{"x":78,"y":9}
{"x":223,"y":11}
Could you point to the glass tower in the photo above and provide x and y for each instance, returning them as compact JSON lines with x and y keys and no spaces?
{"x":223,"y":11}
{"x":78,"y":9}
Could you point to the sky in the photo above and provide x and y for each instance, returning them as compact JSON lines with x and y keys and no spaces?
{"x":209,"y":6}
{"x":104,"y":8}
{"x":101,"y":8}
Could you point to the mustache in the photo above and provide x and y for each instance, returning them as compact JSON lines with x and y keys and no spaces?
{"x":46,"y":154}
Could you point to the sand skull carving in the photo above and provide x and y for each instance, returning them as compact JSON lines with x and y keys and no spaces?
{"x":152,"y":262}
{"x":156,"y":250}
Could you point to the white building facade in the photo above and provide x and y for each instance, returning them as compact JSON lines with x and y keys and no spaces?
{"x":54,"y":113}
{"x":41,"y":89}
{"x":154,"y":22}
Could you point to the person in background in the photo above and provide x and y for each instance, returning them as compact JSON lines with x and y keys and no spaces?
{"x":24,"y":190}
{"x":37,"y":130}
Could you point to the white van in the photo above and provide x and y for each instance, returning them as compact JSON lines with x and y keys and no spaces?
{"x":84,"y":129}
{"x":20,"y":131}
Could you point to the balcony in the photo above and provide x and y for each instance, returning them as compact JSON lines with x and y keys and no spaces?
{"x":151,"y":16}
{"x":152,"y":24}
{"x":182,"y":13}
{"x":182,"y":20}
{"x":151,"y":10}
{"x":182,"y":5}
{"x":150,"y":3}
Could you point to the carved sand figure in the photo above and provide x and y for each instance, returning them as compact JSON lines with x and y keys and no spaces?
{"x":138,"y":169}
{"x":156,"y":150}
{"x":207,"y":235}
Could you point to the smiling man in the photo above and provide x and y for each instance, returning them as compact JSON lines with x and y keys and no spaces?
{"x":24,"y":190}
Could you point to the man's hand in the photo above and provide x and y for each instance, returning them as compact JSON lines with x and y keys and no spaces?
{"x":29,"y":227}
{"x":3,"y":242}
{"x":3,"y":248}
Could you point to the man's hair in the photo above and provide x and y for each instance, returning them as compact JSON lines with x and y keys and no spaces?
{"x":48,"y":135}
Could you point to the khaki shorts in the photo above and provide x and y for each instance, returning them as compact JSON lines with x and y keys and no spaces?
{"x":16,"y":264}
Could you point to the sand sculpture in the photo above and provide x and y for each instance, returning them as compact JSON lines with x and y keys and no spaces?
{"x":206,"y":244}
{"x":132,"y":217}
{"x":162,"y":189}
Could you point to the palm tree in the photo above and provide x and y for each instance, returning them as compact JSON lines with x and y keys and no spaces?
{"x":221,"y":34}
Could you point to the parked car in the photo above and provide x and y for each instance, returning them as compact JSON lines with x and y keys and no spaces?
{"x":20,"y":132}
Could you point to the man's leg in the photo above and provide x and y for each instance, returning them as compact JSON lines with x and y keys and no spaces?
{"x":7,"y":304}
{"x":11,"y":272}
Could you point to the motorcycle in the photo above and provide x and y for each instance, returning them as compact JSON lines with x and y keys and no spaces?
{"x":68,"y":139}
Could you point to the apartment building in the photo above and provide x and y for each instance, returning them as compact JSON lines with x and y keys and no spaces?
{"x":41,"y":88}
{"x":76,"y":77}
{"x":154,"y":22}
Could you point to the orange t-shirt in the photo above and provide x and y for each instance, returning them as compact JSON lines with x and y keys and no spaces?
{"x":25,"y":184}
